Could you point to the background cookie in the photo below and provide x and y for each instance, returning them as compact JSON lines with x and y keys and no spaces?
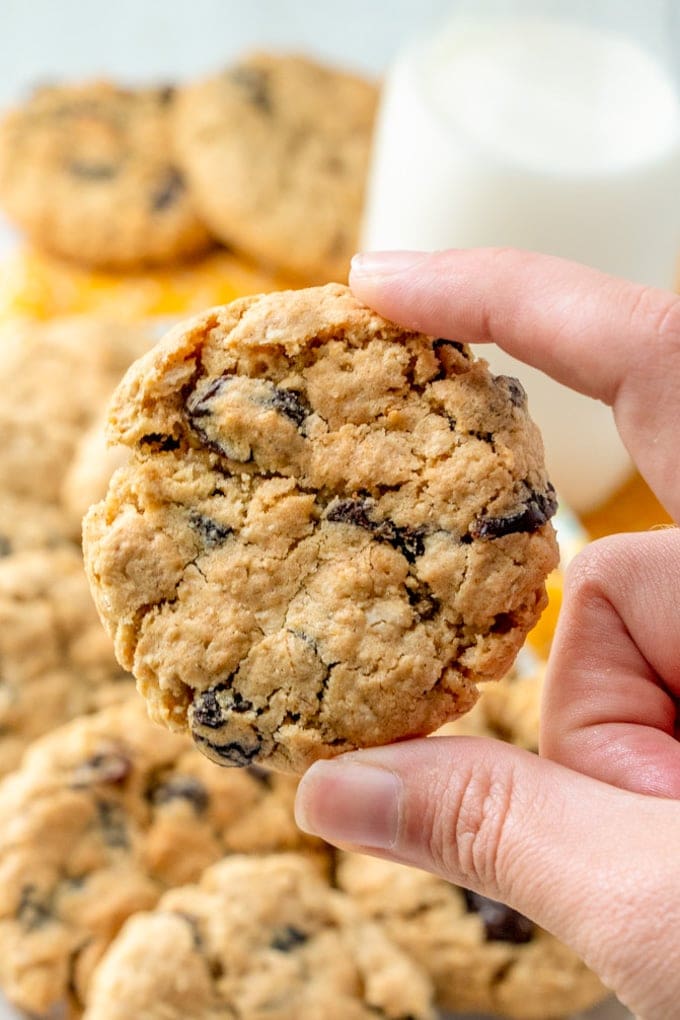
{"x":88,"y":172}
{"x":56,"y":660}
{"x":331,"y":529}
{"x":508,"y":710}
{"x":482,"y":956}
{"x":257,"y":937}
{"x":55,"y":378}
{"x":89,"y":472}
{"x":276,"y":150}
{"x":104,"y":815}
{"x":29,"y":524}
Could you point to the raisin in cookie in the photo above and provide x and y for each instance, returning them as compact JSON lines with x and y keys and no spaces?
{"x":276,"y":151}
{"x":55,"y":379}
{"x":481,"y":955}
{"x":258,"y":937}
{"x":104,"y":815}
{"x":56,"y":660}
{"x":330,"y":530}
{"x":88,"y":172}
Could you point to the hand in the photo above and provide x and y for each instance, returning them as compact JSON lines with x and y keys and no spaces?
{"x":585,"y":840}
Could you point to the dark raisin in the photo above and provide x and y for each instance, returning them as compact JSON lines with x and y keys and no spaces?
{"x":206,"y":709}
{"x":443,"y":342}
{"x":517,"y":393}
{"x":231,"y":753}
{"x":74,"y":882}
{"x":288,"y":938}
{"x":192,"y":922}
{"x":92,"y":171}
{"x":5,"y":546}
{"x":113,"y":825}
{"x":290,"y":404}
{"x":170,"y":190}
{"x":210,"y":707}
{"x":503,"y":623}
{"x":484,"y":437}
{"x":166,"y":94}
{"x":420,"y":597}
{"x":263,"y":776}
{"x":351,"y":511}
{"x":199,"y":407}
{"x":180,"y":788}
{"x":255,"y":85}
{"x":237,"y":703}
{"x":32,"y":911}
{"x":160,"y":442}
{"x":212,"y":532}
{"x":108,"y":767}
{"x":409,"y":541}
{"x":536,"y":510}
{"x":501,"y":923}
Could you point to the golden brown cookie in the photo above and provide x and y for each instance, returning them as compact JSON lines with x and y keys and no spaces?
{"x":28,"y":524}
{"x":88,"y":171}
{"x":276,"y":151}
{"x":482,"y":956}
{"x":56,"y":660}
{"x":508,"y":710}
{"x":330,"y":531}
{"x":55,"y":378}
{"x":89,"y":472}
{"x":104,"y":816}
{"x":258,"y":937}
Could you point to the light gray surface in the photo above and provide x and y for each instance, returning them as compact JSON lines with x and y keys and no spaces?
{"x":607,"y":1011}
{"x":42,"y":39}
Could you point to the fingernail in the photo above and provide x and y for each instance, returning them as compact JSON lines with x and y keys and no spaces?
{"x":350,"y":803}
{"x":384,"y":263}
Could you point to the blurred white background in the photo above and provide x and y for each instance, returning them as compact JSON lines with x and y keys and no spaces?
{"x":151,"y":39}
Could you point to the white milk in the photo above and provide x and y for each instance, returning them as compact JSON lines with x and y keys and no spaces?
{"x":543,"y":135}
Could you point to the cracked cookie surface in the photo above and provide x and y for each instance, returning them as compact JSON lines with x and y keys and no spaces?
{"x":258,"y":937}
{"x":329,"y":531}
{"x":482,"y":956}
{"x":276,"y":150}
{"x":89,"y":174}
{"x":104,"y":815}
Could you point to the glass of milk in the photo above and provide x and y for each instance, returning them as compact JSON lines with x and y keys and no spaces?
{"x":547,"y":125}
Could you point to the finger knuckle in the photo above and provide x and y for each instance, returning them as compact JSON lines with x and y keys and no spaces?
{"x":587,"y":576}
{"x":656,"y":314}
{"x":467,"y":834}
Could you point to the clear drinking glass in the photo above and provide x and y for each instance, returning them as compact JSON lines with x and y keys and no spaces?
{"x":547,"y":125}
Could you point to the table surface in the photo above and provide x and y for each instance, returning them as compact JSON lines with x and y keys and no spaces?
{"x":610,"y":1010}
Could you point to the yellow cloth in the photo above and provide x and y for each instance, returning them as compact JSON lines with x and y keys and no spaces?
{"x":40,"y":286}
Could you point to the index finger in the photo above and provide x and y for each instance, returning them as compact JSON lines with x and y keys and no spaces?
{"x":607,"y":338}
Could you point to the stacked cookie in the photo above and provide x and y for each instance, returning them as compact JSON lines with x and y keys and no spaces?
{"x":55,"y":660}
{"x":268,"y":158}
{"x":315,"y":520}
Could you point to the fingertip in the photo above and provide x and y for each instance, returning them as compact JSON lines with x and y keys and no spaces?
{"x":372,"y":265}
{"x":349,"y":802}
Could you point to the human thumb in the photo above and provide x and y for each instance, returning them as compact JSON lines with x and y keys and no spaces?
{"x":587,"y":861}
